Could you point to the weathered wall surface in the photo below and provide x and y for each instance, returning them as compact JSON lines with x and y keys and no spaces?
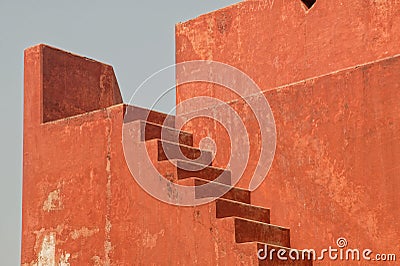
{"x":277,"y":42}
{"x":62,"y":184}
{"x":81,"y":205}
{"x":66,"y":75}
{"x":336,"y":170}
{"x":337,"y":165}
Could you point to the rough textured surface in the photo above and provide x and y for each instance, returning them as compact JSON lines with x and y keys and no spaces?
{"x":81,"y":205}
{"x":278,"y":42}
{"x":59,"y":170}
{"x":336,"y":169}
{"x":74,"y":85}
{"x":337,"y":162}
{"x":331,"y":77}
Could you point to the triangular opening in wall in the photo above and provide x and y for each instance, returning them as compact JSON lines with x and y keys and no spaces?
{"x":309,"y":3}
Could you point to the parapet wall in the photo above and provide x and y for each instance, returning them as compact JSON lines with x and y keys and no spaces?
{"x":65,"y":75}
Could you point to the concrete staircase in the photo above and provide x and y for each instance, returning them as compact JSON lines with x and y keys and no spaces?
{"x":251,"y":223}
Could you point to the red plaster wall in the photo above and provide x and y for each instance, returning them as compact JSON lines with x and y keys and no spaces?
{"x":78,"y":189}
{"x":336,"y":171}
{"x":277,"y":42}
{"x":66,"y":75}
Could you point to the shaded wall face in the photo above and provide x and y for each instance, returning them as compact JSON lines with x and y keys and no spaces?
{"x":336,"y":167}
{"x":73,"y":85}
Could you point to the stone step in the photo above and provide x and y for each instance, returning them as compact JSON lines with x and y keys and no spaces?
{"x":150,"y":131}
{"x":182,"y":152}
{"x":252,"y":231}
{"x":215,"y":189}
{"x":227,"y":208}
{"x":269,"y":255}
{"x":179,"y":170}
{"x":134,"y":113}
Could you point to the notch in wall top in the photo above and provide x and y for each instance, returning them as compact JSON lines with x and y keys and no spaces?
{"x":309,"y":3}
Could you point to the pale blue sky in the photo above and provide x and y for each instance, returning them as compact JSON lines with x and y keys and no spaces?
{"x":136,"y":37}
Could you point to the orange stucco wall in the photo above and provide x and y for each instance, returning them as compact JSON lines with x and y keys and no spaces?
{"x":81,"y":204}
{"x":331,"y":76}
